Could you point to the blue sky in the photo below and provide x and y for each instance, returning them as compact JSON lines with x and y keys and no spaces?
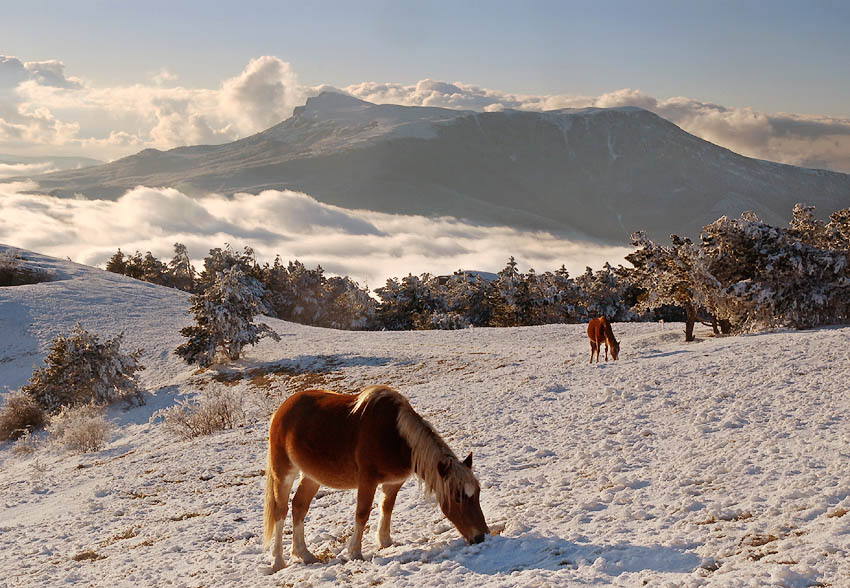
{"x":773,"y":56}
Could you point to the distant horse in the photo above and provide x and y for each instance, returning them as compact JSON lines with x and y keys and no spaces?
{"x":599,"y":332}
{"x":360,"y":441}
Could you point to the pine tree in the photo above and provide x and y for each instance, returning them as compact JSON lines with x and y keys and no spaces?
{"x":181,"y":272}
{"x":224,"y":314}
{"x":117,"y":264}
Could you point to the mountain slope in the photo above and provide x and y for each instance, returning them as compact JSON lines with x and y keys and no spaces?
{"x":603,"y":172}
{"x":716,"y":463}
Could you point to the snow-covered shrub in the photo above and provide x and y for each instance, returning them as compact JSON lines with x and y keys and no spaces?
{"x":82,"y":428}
{"x":82,"y":369}
{"x":216,"y":410}
{"x":224,"y":314}
{"x":19,"y":415}
{"x":15,"y":272}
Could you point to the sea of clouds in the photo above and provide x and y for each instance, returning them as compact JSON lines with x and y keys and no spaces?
{"x":367,"y":246}
{"x":45,"y":110}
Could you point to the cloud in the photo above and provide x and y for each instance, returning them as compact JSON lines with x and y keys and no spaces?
{"x":43,"y":109}
{"x":10,"y":170}
{"x":807,"y":140}
{"x":368,"y":246}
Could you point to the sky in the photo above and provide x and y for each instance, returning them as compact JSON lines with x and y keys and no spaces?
{"x":105,"y":79}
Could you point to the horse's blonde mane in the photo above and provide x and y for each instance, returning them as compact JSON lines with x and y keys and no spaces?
{"x":427,"y":448}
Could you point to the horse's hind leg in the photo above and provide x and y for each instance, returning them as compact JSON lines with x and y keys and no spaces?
{"x":300,"y":505}
{"x":365,"y":496}
{"x":606,"y":352}
{"x":390,"y":493}
{"x":277,"y":503}
{"x":594,"y":348}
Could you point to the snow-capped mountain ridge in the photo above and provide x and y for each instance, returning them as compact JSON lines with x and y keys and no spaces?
{"x":595,"y":171}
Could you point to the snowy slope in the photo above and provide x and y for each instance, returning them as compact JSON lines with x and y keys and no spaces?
{"x":717,"y":463}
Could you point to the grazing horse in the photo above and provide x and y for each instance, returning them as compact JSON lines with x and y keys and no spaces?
{"x":599,"y":332}
{"x":360,"y":441}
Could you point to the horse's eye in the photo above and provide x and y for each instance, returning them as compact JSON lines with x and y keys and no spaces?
{"x":458,"y":497}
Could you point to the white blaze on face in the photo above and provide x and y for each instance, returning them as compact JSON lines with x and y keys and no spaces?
{"x":469,"y":490}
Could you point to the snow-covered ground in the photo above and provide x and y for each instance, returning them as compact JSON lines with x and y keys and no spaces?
{"x":723,"y":462}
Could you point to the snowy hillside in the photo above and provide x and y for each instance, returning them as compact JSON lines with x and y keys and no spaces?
{"x":717,"y":463}
{"x":600,"y":172}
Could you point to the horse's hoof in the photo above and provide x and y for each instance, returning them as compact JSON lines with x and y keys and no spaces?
{"x":273,"y":569}
{"x":308,"y":558}
{"x":385,"y":542}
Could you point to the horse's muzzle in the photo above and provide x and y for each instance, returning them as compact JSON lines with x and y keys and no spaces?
{"x":477,"y":539}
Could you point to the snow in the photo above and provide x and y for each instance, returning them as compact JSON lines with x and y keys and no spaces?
{"x":721,"y":462}
{"x":333,"y":121}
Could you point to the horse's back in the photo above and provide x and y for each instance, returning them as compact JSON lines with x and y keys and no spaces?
{"x":314,"y":431}
{"x":324,"y":437}
{"x":596,"y":329}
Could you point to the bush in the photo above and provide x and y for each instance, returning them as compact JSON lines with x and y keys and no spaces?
{"x":13,"y":271}
{"x":217,"y":410}
{"x":20,"y":415}
{"x":81,"y":369}
{"x":81,"y":428}
{"x":25,"y":445}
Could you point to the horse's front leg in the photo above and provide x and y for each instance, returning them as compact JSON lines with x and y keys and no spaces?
{"x":390,"y":493}
{"x":365,"y":496}
{"x":300,"y":505}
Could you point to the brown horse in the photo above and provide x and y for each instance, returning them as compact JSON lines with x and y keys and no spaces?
{"x":360,"y":441}
{"x":599,"y":332}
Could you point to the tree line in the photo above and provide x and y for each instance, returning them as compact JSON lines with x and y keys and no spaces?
{"x":742,"y":275}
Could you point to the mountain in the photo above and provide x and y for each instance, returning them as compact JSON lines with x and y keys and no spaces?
{"x":601,"y":172}
{"x":721,"y":462}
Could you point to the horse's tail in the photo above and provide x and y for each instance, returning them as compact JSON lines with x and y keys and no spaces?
{"x":271,"y":504}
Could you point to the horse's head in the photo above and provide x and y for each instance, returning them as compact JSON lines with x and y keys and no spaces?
{"x":460,"y":504}
{"x":615,"y":349}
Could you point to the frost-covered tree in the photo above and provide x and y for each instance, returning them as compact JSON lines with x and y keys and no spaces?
{"x":181,"y":272}
{"x":606,"y":292}
{"x":506,"y":312}
{"x":773,"y":276}
{"x":308,"y":287}
{"x":220,"y":260}
{"x":468,"y":299}
{"x":117,"y":264}
{"x":669,"y":275}
{"x":82,"y":369}
{"x":224,"y":314}
{"x":347,"y":306}
{"x":408,"y":304}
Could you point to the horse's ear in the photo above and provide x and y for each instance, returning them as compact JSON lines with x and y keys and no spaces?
{"x":443,"y":468}
{"x":468,"y":461}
